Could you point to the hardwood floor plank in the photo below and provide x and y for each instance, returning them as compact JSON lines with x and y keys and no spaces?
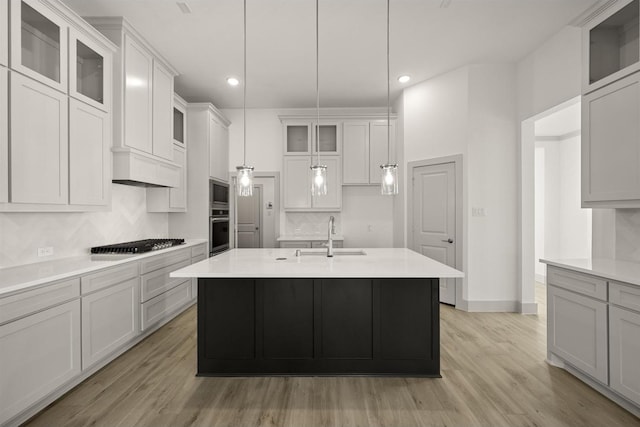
{"x":493,"y":368}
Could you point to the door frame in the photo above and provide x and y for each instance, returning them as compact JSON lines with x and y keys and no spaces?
{"x":457,"y":161}
{"x":232,"y":203}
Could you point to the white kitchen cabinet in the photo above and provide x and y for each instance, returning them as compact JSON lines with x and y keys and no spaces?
{"x":624,"y":352}
{"x":38,"y":354}
{"x":166,"y":304}
{"x":295,"y":244}
{"x":89,"y":155}
{"x":39,"y":42}
{"x":297,"y":138}
{"x":4,"y":33}
{"x":39,"y":143}
{"x":218,"y":150}
{"x":179,"y":121}
{"x":172,"y":199}
{"x":4,"y":135}
{"x":356,"y":152}
{"x":300,"y":137}
{"x":611,"y":145}
{"x":90,"y":71}
{"x":329,"y":136}
{"x":305,"y":244}
{"x":611,"y":48}
{"x":162,"y":111}
{"x":297,"y":184}
{"x":138,"y":96}
{"x":381,"y":148}
{"x":110,"y":319}
{"x":577,"y":331}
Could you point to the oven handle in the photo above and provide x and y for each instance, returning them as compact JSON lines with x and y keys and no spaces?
{"x":221,"y":219}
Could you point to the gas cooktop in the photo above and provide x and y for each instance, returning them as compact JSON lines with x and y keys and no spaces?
{"x":137,"y":246}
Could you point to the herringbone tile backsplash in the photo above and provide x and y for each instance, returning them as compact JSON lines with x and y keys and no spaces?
{"x":70,"y":234}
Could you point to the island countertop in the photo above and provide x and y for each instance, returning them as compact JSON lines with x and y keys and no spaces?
{"x":282,"y":263}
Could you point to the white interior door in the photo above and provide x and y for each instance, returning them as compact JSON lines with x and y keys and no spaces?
{"x":249,"y":221}
{"x":434,"y":219}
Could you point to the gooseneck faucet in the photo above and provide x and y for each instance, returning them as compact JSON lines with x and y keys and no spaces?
{"x":331,"y":230}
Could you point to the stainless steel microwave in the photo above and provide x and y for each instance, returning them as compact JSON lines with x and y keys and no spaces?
{"x":218,"y":193}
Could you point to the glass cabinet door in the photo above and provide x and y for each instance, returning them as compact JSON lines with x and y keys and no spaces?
{"x":39,"y":43}
{"x":88,"y":67}
{"x":612,"y":45}
{"x":298,"y":138}
{"x":329,"y":138}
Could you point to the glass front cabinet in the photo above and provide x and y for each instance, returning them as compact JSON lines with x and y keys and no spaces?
{"x":39,"y":43}
{"x":89,"y":66}
{"x":300,"y":137}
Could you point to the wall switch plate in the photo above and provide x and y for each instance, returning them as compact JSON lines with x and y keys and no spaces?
{"x":478,"y":212}
{"x":46,"y":251}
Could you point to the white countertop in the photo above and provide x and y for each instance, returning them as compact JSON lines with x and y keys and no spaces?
{"x":307,"y":237}
{"x":378,"y":262}
{"x":20,"y":278}
{"x":622,"y":271}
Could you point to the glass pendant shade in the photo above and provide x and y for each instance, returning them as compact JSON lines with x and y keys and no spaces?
{"x":244,"y":184}
{"x":318,"y":180}
{"x":389,"y":179}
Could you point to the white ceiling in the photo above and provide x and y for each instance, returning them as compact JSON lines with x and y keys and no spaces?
{"x":560,"y":123}
{"x":428,"y":37}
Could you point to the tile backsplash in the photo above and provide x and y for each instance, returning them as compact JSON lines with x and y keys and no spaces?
{"x":628,"y":234}
{"x":310,"y":222}
{"x":69,"y":234}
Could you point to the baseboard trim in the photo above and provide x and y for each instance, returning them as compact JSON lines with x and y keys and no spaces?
{"x":490,"y":306}
{"x":528,"y":308}
{"x":541,"y":278}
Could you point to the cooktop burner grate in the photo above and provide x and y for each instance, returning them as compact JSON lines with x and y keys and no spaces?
{"x":137,"y":246}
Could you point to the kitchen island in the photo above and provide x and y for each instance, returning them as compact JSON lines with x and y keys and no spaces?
{"x":270,"y":312}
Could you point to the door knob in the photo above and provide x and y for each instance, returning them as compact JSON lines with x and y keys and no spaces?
{"x":448,"y":241}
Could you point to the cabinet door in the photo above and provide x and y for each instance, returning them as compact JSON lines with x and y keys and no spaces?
{"x":297,"y":138}
{"x":110,"y":318}
{"x":138,"y":67}
{"x":162,"y":111}
{"x":218,"y":151}
{"x":39,"y":43}
{"x":179,"y":121}
{"x":178,"y":195}
{"x":4,"y":33}
{"x":378,"y":148}
{"x":624,"y":350}
{"x":89,"y":155}
{"x":89,"y":71}
{"x":39,"y":143}
{"x":293,"y":244}
{"x":610,"y":143}
{"x":4,"y":135}
{"x":333,"y":198}
{"x":38,"y":354}
{"x":297,"y":182}
{"x":577,"y":331}
{"x":356,"y":153}
{"x":330,"y":137}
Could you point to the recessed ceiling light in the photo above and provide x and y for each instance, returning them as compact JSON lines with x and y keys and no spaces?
{"x":404,"y":79}
{"x":233,"y":81}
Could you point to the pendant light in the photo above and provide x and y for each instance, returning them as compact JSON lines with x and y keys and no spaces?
{"x":318,"y":171}
{"x":389,"y":182}
{"x":244,"y":183}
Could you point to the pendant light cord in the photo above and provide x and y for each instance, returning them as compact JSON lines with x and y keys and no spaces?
{"x":388,"y":94}
{"x":244,"y":91}
{"x":317,"y":87}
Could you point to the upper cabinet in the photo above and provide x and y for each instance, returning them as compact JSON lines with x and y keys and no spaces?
{"x":365,"y":149}
{"x":59,"y":128}
{"x":39,"y":42}
{"x":611,"y":109}
{"x":4,"y":33}
{"x":301,"y":136}
{"x":143,"y":109}
{"x":90,"y":71}
{"x":611,"y":48}
{"x":218,"y":148}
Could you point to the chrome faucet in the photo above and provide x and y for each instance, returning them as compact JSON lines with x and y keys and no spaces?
{"x":330,"y":232}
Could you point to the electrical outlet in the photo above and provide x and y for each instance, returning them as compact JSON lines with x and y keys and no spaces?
{"x":46,"y":251}
{"x":478,"y":212}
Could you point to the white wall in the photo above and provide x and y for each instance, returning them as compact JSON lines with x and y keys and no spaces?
{"x":471,"y":111}
{"x":362,"y":206}
{"x":73,"y":234}
{"x":540,"y":191}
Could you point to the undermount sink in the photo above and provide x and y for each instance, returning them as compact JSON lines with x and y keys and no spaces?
{"x":336,"y":252}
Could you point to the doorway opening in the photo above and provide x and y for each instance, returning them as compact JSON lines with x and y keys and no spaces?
{"x":552,"y":221}
{"x":256,"y":219}
{"x":434,"y":219}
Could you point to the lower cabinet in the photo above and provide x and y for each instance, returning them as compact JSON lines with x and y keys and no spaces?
{"x":306,"y":244}
{"x":110,"y":318}
{"x":624,"y":352}
{"x":167,"y":303}
{"x":577,"y":331}
{"x":38,"y":354}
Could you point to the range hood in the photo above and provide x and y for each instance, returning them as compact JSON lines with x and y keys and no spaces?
{"x":143,"y":170}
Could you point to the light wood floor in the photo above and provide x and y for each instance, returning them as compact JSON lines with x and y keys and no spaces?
{"x":493,"y":370}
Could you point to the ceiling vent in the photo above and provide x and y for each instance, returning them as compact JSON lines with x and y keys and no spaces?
{"x":184,"y":7}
